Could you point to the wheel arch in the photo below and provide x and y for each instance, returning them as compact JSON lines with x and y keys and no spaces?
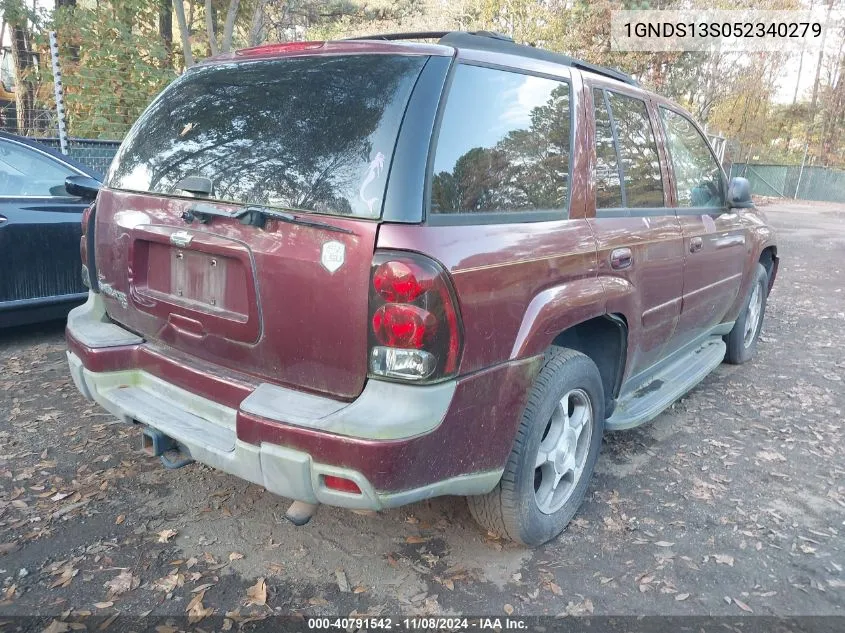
{"x":603,"y":339}
{"x":769,"y":259}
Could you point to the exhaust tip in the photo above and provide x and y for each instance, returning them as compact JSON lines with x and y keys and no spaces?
{"x":299,"y":513}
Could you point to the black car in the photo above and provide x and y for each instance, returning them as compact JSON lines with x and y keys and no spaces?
{"x":42,"y":196}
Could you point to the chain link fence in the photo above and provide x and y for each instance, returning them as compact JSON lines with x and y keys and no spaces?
{"x":94,"y":153}
{"x":791,"y":181}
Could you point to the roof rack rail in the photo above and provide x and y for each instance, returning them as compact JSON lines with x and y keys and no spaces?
{"x":462,"y":39}
{"x":428,"y":35}
{"x":613,"y":73}
{"x":497,"y":42}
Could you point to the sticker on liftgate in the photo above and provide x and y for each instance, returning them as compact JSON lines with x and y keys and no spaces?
{"x":333,"y":255}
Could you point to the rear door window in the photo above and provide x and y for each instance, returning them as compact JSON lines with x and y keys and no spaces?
{"x":313,"y":133}
{"x":504,"y":144}
{"x":698,"y":177}
{"x":637,"y":151}
{"x":608,"y":174}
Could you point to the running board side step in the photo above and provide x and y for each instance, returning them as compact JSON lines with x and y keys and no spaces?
{"x":670,"y":383}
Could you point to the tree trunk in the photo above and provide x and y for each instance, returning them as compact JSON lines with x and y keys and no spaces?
{"x":24,"y":90}
{"x":255,"y":31}
{"x":185,"y":35}
{"x":229,"y":27}
{"x":165,"y":28}
{"x":209,"y":27}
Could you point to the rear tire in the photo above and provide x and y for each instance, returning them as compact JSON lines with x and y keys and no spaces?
{"x":742,"y":339}
{"x":553,"y":455}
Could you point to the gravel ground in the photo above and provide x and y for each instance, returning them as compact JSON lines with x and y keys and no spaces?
{"x":732,"y":502}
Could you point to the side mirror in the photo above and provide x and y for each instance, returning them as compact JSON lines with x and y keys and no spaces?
{"x":82,"y":187}
{"x":739,"y":194}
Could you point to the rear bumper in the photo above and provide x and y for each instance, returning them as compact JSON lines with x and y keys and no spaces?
{"x":398,"y":443}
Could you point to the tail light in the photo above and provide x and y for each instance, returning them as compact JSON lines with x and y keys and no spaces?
{"x":415,"y":328}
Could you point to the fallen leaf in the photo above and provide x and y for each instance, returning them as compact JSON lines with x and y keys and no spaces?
{"x":724,"y":559}
{"x":664,"y":544}
{"x":202,"y":588}
{"x":743,"y":606}
{"x":104,"y":605}
{"x":57,"y":626}
{"x":235,"y":556}
{"x":170,"y":582}
{"x":342,"y":582}
{"x":508,"y":609}
{"x":681,"y":596}
{"x":120,"y":519}
{"x":108,"y":622}
{"x":416,"y":540}
{"x":257,"y":594}
{"x":195,"y":600}
{"x":60,"y":495}
{"x":165,"y":535}
{"x":122,"y":583}
{"x":359,"y":589}
{"x":555,"y":589}
{"x":582,"y":608}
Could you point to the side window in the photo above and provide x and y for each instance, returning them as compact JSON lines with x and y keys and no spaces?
{"x":608,"y":183}
{"x":26,"y":172}
{"x":504,"y":144}
{"x":637,"y":151}
{"x":698,"y":176}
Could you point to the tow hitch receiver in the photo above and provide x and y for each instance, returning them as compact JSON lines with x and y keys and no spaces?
{"x":156,"y":444}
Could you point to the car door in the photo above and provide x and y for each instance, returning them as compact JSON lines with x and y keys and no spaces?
{"x":39,"y":229}
{"x":715,"y":240}
{"x":638,"y":235}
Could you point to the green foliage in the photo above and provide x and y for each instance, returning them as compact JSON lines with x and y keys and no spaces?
{"x":113,"y":64}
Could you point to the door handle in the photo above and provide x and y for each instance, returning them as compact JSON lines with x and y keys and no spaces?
{"x":621,"y":258}
{"x":695,"y":244}
{"x":3,"y":219}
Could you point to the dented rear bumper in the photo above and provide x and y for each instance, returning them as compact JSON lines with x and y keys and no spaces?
{"x":398,"y":443}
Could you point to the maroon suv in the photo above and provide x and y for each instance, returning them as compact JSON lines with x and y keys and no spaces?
{"x":370,"y":272}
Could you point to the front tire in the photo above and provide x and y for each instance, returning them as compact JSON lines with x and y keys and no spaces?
{"x":742,"y":339}
{"x":553,"y":456}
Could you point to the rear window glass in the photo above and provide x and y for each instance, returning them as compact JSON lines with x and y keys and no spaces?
{"x":504,"y":144}
{"x":310,"y":133}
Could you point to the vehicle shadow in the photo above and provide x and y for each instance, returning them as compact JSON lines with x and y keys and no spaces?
{"x":32,"y":333}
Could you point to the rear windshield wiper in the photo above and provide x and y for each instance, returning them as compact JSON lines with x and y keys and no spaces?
{"x":257,"y":216}
{"x":254,"y":215}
